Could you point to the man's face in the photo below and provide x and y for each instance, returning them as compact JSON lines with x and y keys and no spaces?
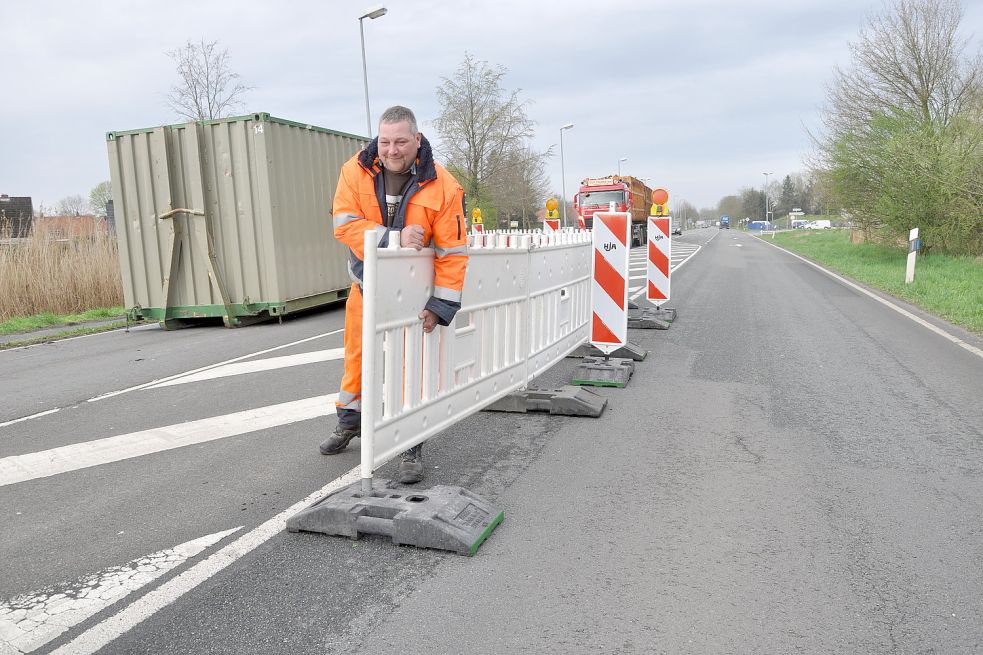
{"x":397,"y":146}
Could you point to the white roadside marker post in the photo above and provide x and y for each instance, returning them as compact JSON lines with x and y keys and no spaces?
{"x":914,"y":245}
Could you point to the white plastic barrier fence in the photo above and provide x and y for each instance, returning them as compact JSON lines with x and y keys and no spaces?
{"x":525,"y":306}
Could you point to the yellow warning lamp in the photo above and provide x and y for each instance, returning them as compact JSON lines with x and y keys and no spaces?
{"x":660,"y":202}
{"x":476,"y":216}
{"x":551,"y":206}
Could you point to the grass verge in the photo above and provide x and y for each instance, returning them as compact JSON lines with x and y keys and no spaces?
{"x":21,"y":324}
{"x":948,"y":286}
{"x":78,"y":332}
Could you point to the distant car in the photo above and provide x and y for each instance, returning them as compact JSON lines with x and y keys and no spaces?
{"x":677,"y":228}
{"x":819,"y":225}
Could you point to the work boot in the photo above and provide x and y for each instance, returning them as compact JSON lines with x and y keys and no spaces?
{"x":411,"y":465}
{"x":338,"y":441}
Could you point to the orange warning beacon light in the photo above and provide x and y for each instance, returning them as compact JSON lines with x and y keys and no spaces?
{"x":551,"y":213}
{"x":660,"y":202}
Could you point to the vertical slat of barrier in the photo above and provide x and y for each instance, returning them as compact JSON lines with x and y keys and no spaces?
{"x":445,"y":360}
{"x":413,"y":365}
{"x":369,"y":382}
{"x":431,"y":359}
{"x":392,"y":388}
{"x":523,"y":310}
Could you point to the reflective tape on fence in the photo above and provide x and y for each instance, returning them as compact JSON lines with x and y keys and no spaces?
{"x":609,"y":289}
{"x":659,"y":256}
{"x":525,"y":306}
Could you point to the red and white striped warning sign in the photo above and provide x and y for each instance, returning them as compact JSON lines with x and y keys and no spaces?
{"x":660,"y":254}
{"x":551,"y":225}
{"x":477,"y":228}
{"x":609,"y":290}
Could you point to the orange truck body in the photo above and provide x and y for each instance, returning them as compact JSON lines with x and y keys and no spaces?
{"x":628,"y":193}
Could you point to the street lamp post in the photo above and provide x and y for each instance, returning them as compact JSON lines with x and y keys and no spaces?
{"x":374,"y":12}
{"x":563,"y":173}
{"x":619,"y":165}
{"x":766,"y":196}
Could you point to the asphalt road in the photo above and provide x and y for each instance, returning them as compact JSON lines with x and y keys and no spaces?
{"x":794,"y":468}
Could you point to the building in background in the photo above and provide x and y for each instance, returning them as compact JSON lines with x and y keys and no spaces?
{"x":70,"y":227}
{"x":16,"y":215}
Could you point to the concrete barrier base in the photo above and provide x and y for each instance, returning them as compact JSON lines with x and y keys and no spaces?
{"x":604,"y":372}
{"x":565,"y":401}
{"x":443,"y":517}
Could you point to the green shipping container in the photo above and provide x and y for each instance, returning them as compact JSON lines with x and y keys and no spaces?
{"x":228,"y":218}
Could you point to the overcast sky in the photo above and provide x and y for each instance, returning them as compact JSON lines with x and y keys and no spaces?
{"x":702,"y":96}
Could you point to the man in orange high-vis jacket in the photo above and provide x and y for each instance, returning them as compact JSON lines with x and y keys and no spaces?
{"x":394,"y":184}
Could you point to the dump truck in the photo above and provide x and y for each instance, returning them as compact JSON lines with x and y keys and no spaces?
{"x":629,"y":194}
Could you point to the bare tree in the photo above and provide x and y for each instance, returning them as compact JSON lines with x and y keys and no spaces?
{"x":908,"y":58}
{"x":901,"y":125}
{"x":480,"y":124}
{"x":72,"y":206}
{"x":518,"y":187}
{"x":208,"y":88}
{"x":100,"y":195}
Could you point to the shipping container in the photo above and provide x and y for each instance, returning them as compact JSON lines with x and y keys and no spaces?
{"x":228,"y":218}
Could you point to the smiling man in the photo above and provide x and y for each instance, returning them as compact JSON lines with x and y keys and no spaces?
{"x":394,"y":184}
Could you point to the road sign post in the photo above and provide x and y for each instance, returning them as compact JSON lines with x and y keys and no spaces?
{"x":609,"y":302}
{"x":551,"y":221}
{"x":658,"y":268}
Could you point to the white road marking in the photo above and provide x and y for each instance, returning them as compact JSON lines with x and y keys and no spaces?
{"x":210,"y":366}
{"x":887,"y":303}
{"x":30,"y":621}
{"x":146,"y":606}
{"x":635,"y":292}
{"x":268,"y":364}
{"x":28,"y":418}
{"x":172,"y":377}
{"x":20,"y":468}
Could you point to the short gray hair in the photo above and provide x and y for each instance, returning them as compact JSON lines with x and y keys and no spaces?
{"x":398,"y":114}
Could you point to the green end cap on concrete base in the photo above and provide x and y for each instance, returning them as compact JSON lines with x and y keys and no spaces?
{"x":487,"y":533}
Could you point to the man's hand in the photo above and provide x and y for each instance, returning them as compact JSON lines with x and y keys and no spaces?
{"x":411,"y":236}
{"x":429,"y":319}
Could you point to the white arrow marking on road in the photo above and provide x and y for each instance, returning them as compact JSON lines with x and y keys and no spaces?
{"x":28,"y":418}
{"x":210,"y":366}
{"x":30,"y":621}
{"x":20,"y":468}
{"x":267,"y":364}
{"x":146,"y":606}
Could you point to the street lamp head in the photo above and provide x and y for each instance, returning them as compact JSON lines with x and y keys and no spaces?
{"x":567,"y":126}
{"x":623,"y":159}
{"x":374,"y":12}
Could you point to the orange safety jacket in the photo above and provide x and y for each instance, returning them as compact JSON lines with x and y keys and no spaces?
{"x":433,"y":200}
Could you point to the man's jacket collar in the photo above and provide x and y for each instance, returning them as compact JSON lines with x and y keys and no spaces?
{"x":425,"y":169}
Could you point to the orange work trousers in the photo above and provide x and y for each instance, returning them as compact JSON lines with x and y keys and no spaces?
{"x":350,"y":395}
